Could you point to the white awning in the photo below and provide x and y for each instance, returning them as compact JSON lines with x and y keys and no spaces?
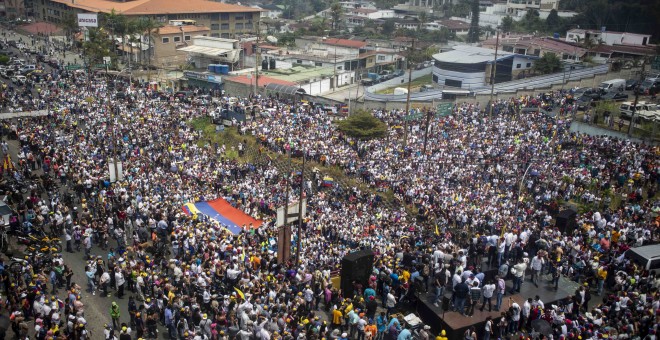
{"x":228,"y":55}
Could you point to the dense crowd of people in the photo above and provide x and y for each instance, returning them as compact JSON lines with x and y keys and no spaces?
{"x":482,"y":196}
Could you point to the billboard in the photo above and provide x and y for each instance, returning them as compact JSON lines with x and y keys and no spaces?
{"x":88,"y":20}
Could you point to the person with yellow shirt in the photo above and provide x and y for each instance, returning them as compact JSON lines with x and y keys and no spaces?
{"x":337,"y":317}
{"x":442,"y":336}
{"x":405,"y":275}
{"x":601,"y":275}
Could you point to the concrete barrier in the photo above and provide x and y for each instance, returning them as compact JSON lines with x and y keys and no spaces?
{"x":11,"y":115}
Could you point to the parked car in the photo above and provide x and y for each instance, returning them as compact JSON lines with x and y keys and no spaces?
{"x":631,"y":84}
{"x":614,"y":96}
{"x":649,"y":87}
{"x":584,"y":101}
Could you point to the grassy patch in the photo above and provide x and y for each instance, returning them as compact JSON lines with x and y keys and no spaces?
{"x":230,"y":138}
{"x":414,"y":85}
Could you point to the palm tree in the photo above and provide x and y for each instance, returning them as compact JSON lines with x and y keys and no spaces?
{"x":336,"y":11}
{"x":149,"y":25}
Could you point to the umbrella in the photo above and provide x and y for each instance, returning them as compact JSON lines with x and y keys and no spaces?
{"x":542,"y":327}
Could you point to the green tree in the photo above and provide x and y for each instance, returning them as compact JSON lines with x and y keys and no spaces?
{"x":98,"y":45}
{"x":548,"y":63}
{"x":553,"y":21}
{"x":532,"y":22}
{"x":70,"y":24}
{"x":336,"y":12}
{"x":507,"y":24}
{"x":473,"y":33}
{"x":363,"y":126}
{"x":388,"y":27}
{"x":4,"y":59}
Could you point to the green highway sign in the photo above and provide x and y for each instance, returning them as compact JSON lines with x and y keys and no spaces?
{"x":73,"y":67}
{"x":413,"y":116}
{"x":444,"y":109}
{"x":100,"y":66}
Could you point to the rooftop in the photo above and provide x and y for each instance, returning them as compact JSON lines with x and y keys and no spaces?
{"x":172,"y":29}
{"x":582,"y":30}
{"x":454,"y":24}
{"x":626,"y":49}
{"x":550,"y":44}
{"x":150,"y":7}
{"x":345,"y":42}
{"x":464,"y":54}
{"x":298,"y":74}
{"x":263,"y":80}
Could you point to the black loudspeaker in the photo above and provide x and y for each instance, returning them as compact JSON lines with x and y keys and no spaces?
{"x":356,"y":266}
{"x":566,"y":222}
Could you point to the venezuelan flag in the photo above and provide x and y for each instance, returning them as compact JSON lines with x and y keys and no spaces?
{"x":328,"y":181}
{"x":223,"y":213}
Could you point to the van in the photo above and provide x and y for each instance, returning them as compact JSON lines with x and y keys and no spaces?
{"x":27,"y":69}
{"x":648,"y":257}
{"x":400,"y":90}
{"x":613,"y":84}
{"x":626,"y":108}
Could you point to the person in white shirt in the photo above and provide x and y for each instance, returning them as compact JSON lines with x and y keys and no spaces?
{"x":526,"y":310}
{"x":487,"y":292}
{"x":537,"y":265}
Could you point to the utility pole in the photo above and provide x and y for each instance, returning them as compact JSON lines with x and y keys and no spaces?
{"x":284,"y":235}
{"x":256,"y":63}
{"x":634,"y":108}
{"x":334,"y":73}
{"x":426,"y":131}
{"x":300,"y":210}
{"x":493,"y":73}
{"x":405,"y":124}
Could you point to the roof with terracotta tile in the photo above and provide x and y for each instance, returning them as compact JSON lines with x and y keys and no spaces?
{"x":149,"y":7}
{"x":345,"y":42}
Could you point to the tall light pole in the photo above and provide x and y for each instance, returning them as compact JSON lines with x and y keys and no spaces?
{"x":493,"y":74}
{"x":405,"y":124}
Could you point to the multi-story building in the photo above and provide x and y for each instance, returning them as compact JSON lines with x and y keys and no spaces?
{"x":607,"y":37}
{"x":169,"y":39}
{"x":224,"y":20}
{"x":514,"y":7}
{"x":12,"y":9}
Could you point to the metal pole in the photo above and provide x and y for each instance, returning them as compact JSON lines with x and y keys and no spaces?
{"x":426,"y":131}
{"x":493,"y":73}
{"x":522,"y":181}
{"x":300,"y":212}
{"x":334,"y":73}
{"x":405,"y":124}
{"x":634,"y":108}
{"x":256,"y":64}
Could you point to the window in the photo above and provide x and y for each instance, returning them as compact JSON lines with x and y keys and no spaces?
{"x":186,"y":38}
{"x":298,"y":61}
{"x":215,"y":16}
{"x":339,"y":68}
{"x":224,"y":35}
{"x":517,"y":65}
{"x":177,"y":39}
{"x":318,"y":64}
{"x":166,"y":40}
{"x":224,"y":26}
{"x":604,"y":55}
{"x":215,"y":35}
{"x":238,"y":17}
{"x":224,"y":16}
{"x":528,"y":65}
{"x":381,"y":57}
{"x":215,"y":27}
{"x":248,"y":26}
{"x":238,"y":26}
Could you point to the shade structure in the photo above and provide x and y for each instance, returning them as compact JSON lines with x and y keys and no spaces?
{"x":222,"y":212}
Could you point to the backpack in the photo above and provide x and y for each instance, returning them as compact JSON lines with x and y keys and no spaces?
{"x":425,"y":270}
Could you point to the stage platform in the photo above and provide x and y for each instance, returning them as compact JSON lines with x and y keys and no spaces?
{"x":456,"y":324}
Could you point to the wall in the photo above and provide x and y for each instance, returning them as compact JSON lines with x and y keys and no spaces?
{"x":317,"y":87}
{"x":469,"y":80}
{"x":483,"y":99}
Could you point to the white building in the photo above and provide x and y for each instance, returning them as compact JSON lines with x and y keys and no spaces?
{"x":210,"y":50}
{"x":608,"y":37}
{"x":515,"y":7}
{"x":269,"y":11}
{"x":469,"y":67}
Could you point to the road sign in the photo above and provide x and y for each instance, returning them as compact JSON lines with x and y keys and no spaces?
{"x":73,"y":67}
{"x":100,"y":66}
{"x":107,"y":60}
{"x":444,"y":109}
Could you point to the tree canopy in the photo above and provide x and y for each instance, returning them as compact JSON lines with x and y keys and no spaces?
{"x":548,"y":63}
{"x":363,"y":126}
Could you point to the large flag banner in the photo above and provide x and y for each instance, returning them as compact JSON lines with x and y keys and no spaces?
{"x":222,"y":212}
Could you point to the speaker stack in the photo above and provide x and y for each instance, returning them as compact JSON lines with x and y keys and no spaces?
{"x":356,"y":267}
